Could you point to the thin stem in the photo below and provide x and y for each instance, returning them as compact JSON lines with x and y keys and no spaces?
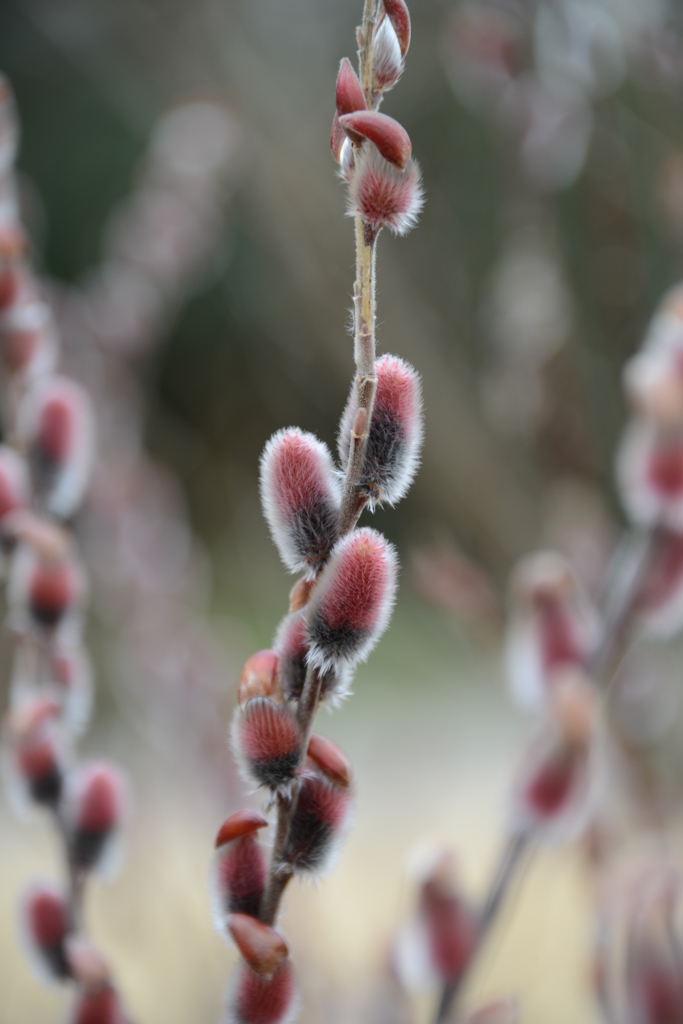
{"x":75,"y":876}
{"x":365,"y":43}
{"x":353,"y":499}
{"x":510,"y":861}
{"x":281,"y":871}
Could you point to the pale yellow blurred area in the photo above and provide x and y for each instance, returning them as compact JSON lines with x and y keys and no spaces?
{"x":433,"y":740}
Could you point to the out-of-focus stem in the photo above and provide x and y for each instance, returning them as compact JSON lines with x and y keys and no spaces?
{"x":620,"y":611}
{"x":75,"y":877}
{"x":511,"y":859}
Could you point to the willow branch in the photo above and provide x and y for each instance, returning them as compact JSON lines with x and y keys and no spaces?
{"x":353,"y":498}
{"x":514,"y":851}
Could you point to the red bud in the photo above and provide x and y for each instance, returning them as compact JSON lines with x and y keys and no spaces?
{"x":399,"y":16}
{"x":391,"y":138}
{"x":337,"y":137}
{"x":349,"y":94}
{"x":239,"y":824}
{"x":331,"y":759}
{"x":259,"y":677}
{"x":299,"y":594}
{"x":260,"y":945}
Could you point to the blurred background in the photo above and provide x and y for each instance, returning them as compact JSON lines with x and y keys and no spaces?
{"x":551,"y":141}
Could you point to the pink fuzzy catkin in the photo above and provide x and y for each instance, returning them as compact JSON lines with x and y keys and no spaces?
{"x":292,"y":646}
{"x":352,"y":602}
{"x":45,"y":925}
{"x":55,"y":423}
{"x":300,"y":493}
{"x":267,"y":742}
{"x":256,"y":1000}
{"x":395,"y":438}
{"x":239,"y":869}
{"x":96,"y":807}
{"x":382,"y":195}
{"x":323,"y":808}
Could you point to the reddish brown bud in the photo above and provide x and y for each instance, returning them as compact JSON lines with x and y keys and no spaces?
{"x":391,"y":138}
{"x":299,"y":594}
{"x":349,"y":94}
{"x":259,"y":677}
{"x":256,"y":1000}
{"x":399,"y":16}
{"x":331,"y":759}
{"x":260,"y":945}
{"x":337,"y":137}
{"x":239,"y":824}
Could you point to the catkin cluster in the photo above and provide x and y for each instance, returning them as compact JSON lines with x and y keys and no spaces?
{"x":45,"y":462}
